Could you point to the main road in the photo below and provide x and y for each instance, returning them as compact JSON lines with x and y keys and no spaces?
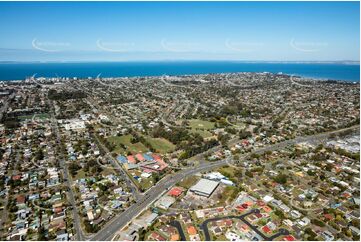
{"x":121,"y":220}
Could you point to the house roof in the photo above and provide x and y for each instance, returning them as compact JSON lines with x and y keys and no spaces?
{"x":191,"y":230}
{"x":20,"y":199}
{"x":174,"y":237}
{"x":328,"y":216}
{"x":16,"y":177}
{"x":289,"y":238}
{"x":266,"y":229}
{"x":156,"y":236}
{"x":131,"y":159}
{"x":156,"y":157}
{"x":139,"y":157}
{"x":122,"y":159}
{"x":176,"y":191}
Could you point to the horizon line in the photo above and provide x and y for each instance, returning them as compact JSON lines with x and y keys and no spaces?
{"x":182,"y":60}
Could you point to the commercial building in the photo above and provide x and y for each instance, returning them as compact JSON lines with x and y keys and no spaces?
{"x":204,"y":187}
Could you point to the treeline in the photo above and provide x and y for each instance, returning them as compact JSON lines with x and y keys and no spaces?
{"x":11,"y":123}
{"x":192,"y":150}
{"x":175,"y":135}
{"x":139,"y":138}
{"x":191,"y":143}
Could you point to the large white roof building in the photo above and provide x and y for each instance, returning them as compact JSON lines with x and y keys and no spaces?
{"x":204,"y":187}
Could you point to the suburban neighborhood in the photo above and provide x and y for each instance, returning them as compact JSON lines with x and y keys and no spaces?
{"x":228,"y":157}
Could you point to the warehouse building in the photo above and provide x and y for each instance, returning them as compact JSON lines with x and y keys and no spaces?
{"x":204,"y":187}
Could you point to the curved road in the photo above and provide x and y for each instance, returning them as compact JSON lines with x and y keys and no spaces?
{"x":178,"y":226}
{"x":121,"y":220}
{"x":204,"y":226}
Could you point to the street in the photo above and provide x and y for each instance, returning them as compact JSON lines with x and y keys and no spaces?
{"x":119,"y":221}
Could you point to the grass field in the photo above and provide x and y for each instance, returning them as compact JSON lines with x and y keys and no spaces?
{"x":229,"y":194}
{"x":42,"y":116}
{"x":37,"y":116}
{"x":161,"y":145}
{"x":188,"y":182}
{"x":200,"y":124}
{"x":201,"y":127}
{"x":227,"y":170}
{"x":107,"y":171}
{"x":24,"y":117}
{"x":203,"y":133}
{"x":80,"y":175}
{"x":125,"y":140}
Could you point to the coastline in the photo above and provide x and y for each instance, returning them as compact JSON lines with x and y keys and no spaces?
{"x":320,"y":71}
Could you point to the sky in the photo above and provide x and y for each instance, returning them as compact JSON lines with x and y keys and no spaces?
{"x":126,"y":31}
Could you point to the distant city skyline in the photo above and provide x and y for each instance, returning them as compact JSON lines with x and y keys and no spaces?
{"x":145,"y":31}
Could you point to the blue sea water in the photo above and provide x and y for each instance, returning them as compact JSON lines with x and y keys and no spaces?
{"x":332,"y":71}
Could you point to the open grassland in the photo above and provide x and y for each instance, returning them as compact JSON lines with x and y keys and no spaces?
{"x":161,"y":145}
{"x":119,"y":141}
{"x":201,"y":127}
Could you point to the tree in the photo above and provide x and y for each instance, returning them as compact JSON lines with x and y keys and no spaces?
{"x":318,"y":222}
{"x":311,"y":235}
{"x":73,"y":168}
{"x":279,"y":214}
{"x":356,"y":223}
{"x":249,"y":174}
{"x":41,"y":234}
{"x":281,"y":178}
{"x":243,"y":134}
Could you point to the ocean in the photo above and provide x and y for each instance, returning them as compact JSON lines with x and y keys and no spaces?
{"x":331,"y":71}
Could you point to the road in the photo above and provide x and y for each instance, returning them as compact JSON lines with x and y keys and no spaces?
{"x":132,"y":186}
{"x":178,"y":226}
{"x":76,"y":220}
{"x":149,"y":197}
{"x":204,"y":226}
{"x":121,"y":220}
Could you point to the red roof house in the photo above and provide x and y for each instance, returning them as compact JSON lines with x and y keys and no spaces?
{"x":131,"y":159}
{"x":289,"y":238}
{"x":139,"y":157}
{"x":20,"y":199}
{"x":175,"y":192}
{"x":266,"y":229}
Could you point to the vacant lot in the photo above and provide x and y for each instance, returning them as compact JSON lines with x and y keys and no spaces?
{"x":188,"y":182}
{"x":125,"y":140}
{"x":229,"y":171}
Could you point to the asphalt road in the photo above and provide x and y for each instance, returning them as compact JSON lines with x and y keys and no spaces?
{"x":130,"y":183}
{"x":121,"y":220}
{"x":204,"y":226}
{"x":149,"y":197}
{"x":77,"y":223}
{"x":178,"y":226}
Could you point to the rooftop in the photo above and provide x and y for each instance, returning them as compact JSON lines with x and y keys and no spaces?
{"x":205,"y":186}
